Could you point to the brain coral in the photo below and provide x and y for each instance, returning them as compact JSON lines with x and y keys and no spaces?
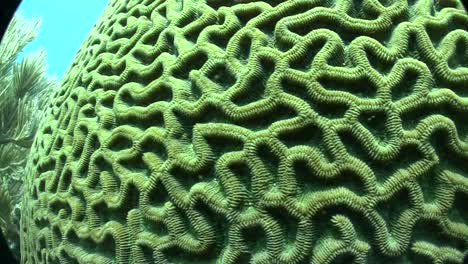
{"x":298,"y":131}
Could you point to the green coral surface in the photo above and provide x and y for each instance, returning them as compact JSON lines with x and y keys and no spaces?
{"x":216,"y":131}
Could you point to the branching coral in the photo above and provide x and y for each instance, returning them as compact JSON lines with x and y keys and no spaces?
{"x":300,"y":131}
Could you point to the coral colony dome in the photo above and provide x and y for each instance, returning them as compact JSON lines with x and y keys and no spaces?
{"x":239,"y":131}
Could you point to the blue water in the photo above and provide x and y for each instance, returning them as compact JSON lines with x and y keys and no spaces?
{"x":64,"y":26}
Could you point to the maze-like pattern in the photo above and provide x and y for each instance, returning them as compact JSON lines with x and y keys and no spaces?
{"x":298,"y":131}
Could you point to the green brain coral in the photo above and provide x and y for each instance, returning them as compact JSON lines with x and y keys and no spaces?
{"x":216,"y":131}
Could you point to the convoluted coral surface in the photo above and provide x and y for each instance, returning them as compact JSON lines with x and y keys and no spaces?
{"x":215,"y":131}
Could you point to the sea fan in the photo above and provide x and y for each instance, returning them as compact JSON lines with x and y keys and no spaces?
{"x":24,"y":88}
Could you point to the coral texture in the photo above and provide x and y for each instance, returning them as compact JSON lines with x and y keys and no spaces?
{"x":216,"y":131}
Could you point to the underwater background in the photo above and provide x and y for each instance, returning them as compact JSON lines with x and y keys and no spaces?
{"x":214,"y":131}
{"x":64,"y":26}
